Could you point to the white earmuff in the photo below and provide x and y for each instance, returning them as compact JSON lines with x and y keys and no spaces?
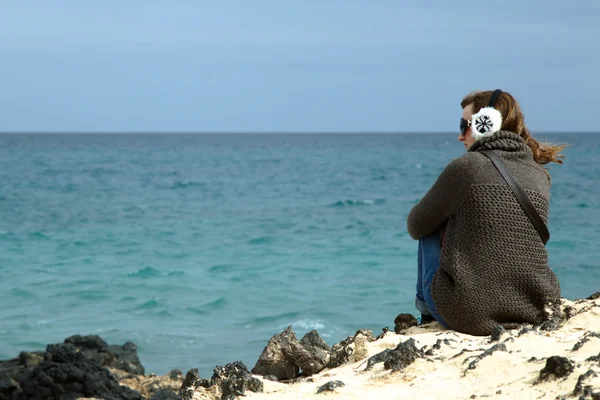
{"x":486,"y":122}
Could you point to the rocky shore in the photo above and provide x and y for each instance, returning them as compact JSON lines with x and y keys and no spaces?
{"x":557,"y":360}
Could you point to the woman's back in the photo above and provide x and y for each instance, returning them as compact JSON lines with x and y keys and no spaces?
{"x":493,"y":264}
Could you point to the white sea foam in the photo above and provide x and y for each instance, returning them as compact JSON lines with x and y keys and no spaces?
{"x":306,"y":324}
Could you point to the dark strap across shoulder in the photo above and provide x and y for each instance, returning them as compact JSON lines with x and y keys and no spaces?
{"x":529,"y":209}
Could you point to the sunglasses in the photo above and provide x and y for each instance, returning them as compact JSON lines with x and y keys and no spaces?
{"x":464,"y":126}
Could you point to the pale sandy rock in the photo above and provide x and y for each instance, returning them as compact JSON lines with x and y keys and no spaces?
{"x":147,"y":385}
{"x":361,"y":350}
{"x":451,"y":365}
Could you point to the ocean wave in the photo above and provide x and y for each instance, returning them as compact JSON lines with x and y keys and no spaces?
{"x":68,"y":244}
{"x":268,"y":319}
{"x":371,"y":264}
{"x":164,"y":313}
{"x":47,"y":282}
{"x":80,"y":282}
{"x":222,"y":268}
{"x":197,"y":311}
{"x":206,"y":308}
{"x":187,"y":184}
{"x":149,"y":305}
{"x":307,"y":229}
{"x":94,"y":295}
{"x":22,"y":293}
{"x":99,"y":171}
{"x":68,"y":188}
{"x":34,"y":325}
{"x":215,"y":305}
{"x":351,"y":203}
{"x":38,"y":236}
{"x":9,"y":236}
{"x":134,"y":209}
{"x":87,"y":294}
{"x":149,"y":272}
{"x":563,"y":244}
{"x":45,"y":270}
{"x":262,"y":240}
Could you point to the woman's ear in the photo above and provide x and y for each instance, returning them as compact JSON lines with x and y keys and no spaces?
{"x":485,"y":123}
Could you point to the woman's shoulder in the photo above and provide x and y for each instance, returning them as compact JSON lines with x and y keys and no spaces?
{"x":462,"y":169}
{"x":478,"y":168}
{"x":467,"y":162}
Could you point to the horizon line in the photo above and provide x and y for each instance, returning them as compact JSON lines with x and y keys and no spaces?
{"x":271,"y":132}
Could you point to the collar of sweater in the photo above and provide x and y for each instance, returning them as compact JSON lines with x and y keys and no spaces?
{"x":511,"y":144}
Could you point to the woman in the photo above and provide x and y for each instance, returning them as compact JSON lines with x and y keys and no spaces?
{"x":482,"y":262}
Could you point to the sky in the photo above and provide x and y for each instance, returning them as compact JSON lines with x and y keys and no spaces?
{"x":292,"y":66}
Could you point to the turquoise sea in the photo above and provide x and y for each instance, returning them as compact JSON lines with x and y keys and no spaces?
{"x":199,"y":248}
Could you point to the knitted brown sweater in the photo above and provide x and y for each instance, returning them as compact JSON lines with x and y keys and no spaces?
{"x":493,"y":265}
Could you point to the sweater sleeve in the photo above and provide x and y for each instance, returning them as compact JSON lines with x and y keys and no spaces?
{"x":442,"y":200}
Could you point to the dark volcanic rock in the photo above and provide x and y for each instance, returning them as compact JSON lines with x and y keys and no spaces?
{"x":234,"y":380}
{"x":581,"y":388}
{"x":70,"y":369}
{"x":273,"y":360}
{"x":556,"y":366}
{"x":402,"y":356}
{"x":404,"y":321}
{"x":525,"y":328}
{"x":189,"y":385}
{"x":305,"y":360}
{"x":584,"y":339}
{"x":165,"y":394}
{"x":342,"y":351}
{"x":66,"y":374}
{"x":175,"y":374}
{"x":31,"y":359}
{"x":378,"y":358}
{"x":9,"y":389}
{"x":383,"y":332}
{"x":313,"y":354}
{"x":330,"y":386}
{"x":122,"y":357}
{"x":554,"y":317}
{"x":497,"y":331}
{"x":15,"y":368}
{"x":551,"y":325}
{"x":594,"y":359}
{"x":488,"y":352}
{"x":595,"y":296}
{"x":231,"y":381}
{"x":284,"y":356}
{"x":569,"y":312}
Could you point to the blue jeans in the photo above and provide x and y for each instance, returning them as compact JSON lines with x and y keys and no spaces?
{"x":429,"y":263}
